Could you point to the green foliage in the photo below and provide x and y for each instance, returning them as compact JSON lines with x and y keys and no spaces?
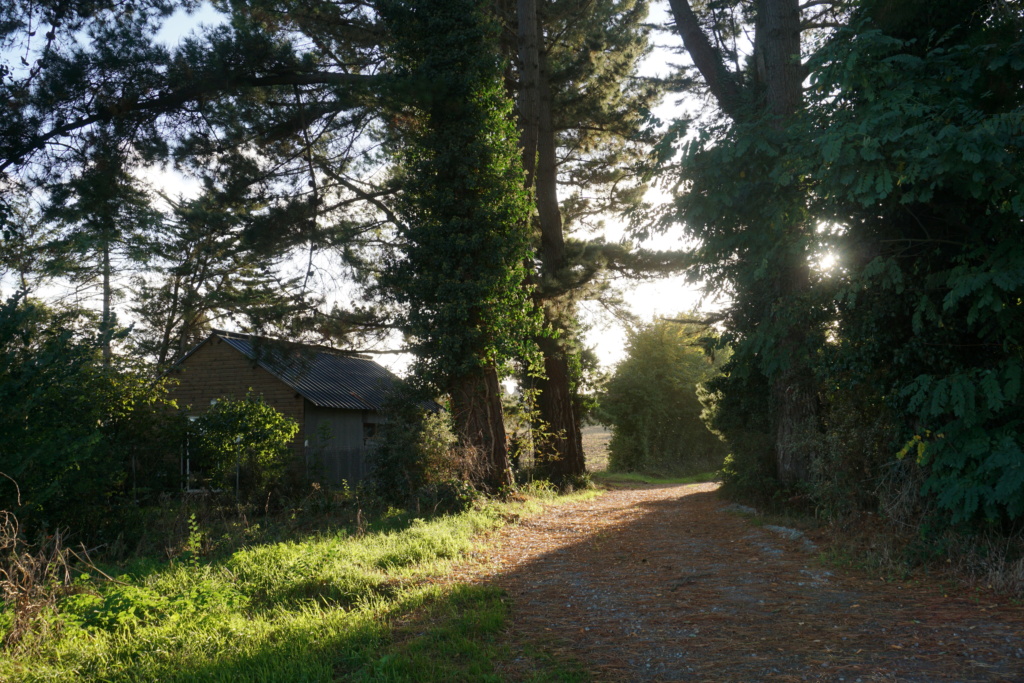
{"x":398,"y":461}
{"x":905,"y":163}
{"x":319,"y":607}
{"x":102,"y":210}
{"x":99,"y":95}
{"x":593,"y":50}
{"x":446,"y":496}
{"x":918,"y":152}
{"x":855,"y":470}
{"x":246,"y":438}
{"x":735,"y":410}
{"x":194,"y":544}
{"x":743,"y":202}
{"x":416,"y":462}
{"x":82,"y":440}
{"x":651,"y":403}
{"x":123,"y":607}
{"x":463,"y":235}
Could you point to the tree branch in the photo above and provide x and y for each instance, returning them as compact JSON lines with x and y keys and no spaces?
{"x":708,"y":61}
{"x":706,"y":321}
{"x":371,"y":198}
{"x":177,"y":99}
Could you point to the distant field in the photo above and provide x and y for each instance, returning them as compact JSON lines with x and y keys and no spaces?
{"x":595,"y":447}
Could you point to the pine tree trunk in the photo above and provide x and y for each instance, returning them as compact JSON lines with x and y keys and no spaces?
{"x":794,"y":389}
{"x":560,"y":447}
{"x":476,"y":409}
{"x":106,"y":324}
{"x":778,"y":57}
{"x":561,"y":452}
{"x":529,"y":74}
{"x":796,"y":413}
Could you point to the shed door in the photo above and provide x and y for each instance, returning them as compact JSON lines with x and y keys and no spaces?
{"x":334,"y":445}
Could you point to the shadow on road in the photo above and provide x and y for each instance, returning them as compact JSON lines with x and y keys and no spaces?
{"x":666,"y":584}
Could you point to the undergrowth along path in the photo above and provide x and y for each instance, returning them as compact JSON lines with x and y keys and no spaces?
{"x":668,"y":583}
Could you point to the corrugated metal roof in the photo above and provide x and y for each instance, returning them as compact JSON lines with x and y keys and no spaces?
{"x":325,"y":377}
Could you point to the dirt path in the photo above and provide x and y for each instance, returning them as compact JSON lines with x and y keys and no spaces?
{"x":667,"y":584}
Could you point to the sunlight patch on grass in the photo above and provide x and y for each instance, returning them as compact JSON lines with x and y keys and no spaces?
{"x":323,"y":608}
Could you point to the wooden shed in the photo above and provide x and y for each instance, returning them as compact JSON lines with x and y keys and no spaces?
{"x":336,"y":397}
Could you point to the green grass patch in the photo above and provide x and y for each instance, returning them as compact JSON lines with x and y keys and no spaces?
{"x":618,"y":478}
{"x":457,"y":634}
{"x":453,"y":636}
{"x":329,"y":606}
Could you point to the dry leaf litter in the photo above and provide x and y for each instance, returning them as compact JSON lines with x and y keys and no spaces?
{"x":670,"y":583}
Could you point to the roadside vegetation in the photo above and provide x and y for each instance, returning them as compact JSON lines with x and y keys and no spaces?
{"x":334,"y":602}
{"x":614,"y":479}
{"x":652,"y":402}
{"x":671,"y":424}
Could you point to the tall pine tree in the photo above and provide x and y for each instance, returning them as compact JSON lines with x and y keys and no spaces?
{"x":104,"y":216}
{"x":580,"y":106}
{"x":747,"y":211}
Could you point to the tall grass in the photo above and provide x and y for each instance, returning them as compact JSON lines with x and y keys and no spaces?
{"x":320,"y":608}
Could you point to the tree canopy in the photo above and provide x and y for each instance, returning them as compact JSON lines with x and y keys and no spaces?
{"x":900,"y":157}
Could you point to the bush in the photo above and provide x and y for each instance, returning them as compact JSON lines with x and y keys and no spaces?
{"x":446,"y":496}
{"x":81,"y":441}
{"x":244,"y":442}
{"x":415,"y":457}
{"x":855,"y":457}
{"x":735,"y":409}
{"x":651,"y":403}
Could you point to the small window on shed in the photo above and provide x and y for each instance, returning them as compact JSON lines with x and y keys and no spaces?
{"x":369,"y":431}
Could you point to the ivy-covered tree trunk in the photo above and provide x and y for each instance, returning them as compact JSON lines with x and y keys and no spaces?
{"x":459,"y":272}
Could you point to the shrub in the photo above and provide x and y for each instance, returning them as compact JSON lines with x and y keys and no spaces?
{"x":32,"y":580}
{"x":855,"y":457}
{"x":81,"y":441}
{"x":244,"y":443}
{"x":651,"y":403}
{"x":735,"y":410}
{"x":415,"y":455}
{"x":446,"y":496}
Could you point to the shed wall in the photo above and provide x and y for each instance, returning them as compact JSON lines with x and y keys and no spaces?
{"x":335,"y":448}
